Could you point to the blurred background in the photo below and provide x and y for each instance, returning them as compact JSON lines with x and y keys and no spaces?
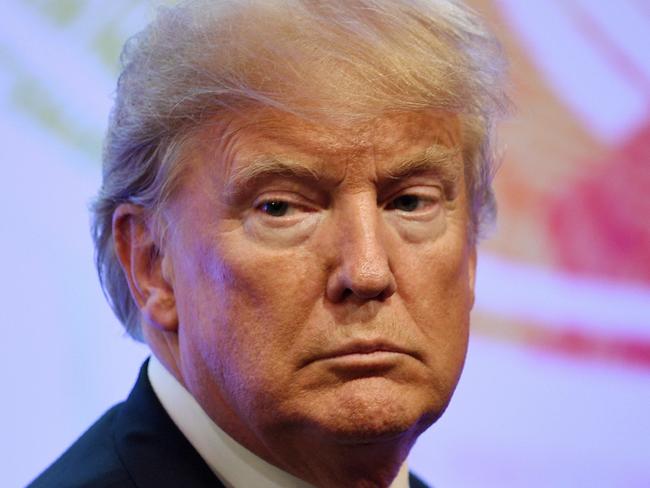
{"x":556,"y":389}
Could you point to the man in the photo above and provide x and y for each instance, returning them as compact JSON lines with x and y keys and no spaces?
{"x":291,"y":199}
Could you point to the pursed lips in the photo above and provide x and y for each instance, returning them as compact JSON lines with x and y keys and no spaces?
{"x":361,"y":348}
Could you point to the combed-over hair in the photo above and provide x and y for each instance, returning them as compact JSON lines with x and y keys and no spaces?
{"x":321,"y":60}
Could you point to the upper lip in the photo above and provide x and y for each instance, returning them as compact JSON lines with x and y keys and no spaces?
{"x":361,"y":347}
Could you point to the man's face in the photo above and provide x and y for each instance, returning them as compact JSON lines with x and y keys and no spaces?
{"x":323,"y":276}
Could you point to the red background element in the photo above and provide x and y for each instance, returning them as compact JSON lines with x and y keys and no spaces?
{"x":600,"y":225}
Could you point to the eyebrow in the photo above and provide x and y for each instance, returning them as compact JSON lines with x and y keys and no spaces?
{"x":438,"y":160}
{"x":435,"y":159}
{"x":265,"y":167}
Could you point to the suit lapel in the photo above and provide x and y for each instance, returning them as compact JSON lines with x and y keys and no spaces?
{"x":154,"y":452}
{"x":415,"y":482}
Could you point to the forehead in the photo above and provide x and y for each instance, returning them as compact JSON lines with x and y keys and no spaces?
{"x":390,"y":132}
{"x":336,"y":149}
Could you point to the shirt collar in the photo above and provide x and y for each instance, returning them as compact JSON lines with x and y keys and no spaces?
{"x":231,"y":462}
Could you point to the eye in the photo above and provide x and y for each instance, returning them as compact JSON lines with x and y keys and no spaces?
{"x":274,"y":208}
{"x":281,"y":218}
{"x":410,"y":202}
{"x":416,"y":202}
{"x":406,"y":203}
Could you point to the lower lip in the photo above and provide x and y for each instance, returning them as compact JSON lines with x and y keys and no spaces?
{"x":366,"y":360}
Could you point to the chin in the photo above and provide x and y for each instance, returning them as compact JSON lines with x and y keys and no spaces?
{"x":374,"y":410}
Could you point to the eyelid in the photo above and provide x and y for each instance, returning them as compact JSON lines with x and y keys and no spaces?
{"x":246,"y":195}
{"x":422,"y":191}
{"x":296,"y":202}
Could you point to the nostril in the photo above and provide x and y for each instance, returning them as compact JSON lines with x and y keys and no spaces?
{"x":347,"y":293}
{"x":346,"y":286}
{"x":369,"y":293}
{"x":375,"y":286}
{"x":356,"y":296}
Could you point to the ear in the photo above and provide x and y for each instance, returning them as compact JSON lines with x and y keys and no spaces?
{"x":147,"y":270}
{"x":471,"y":271}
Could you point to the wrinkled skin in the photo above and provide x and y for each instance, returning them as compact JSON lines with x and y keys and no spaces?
{"x":313,"y":288}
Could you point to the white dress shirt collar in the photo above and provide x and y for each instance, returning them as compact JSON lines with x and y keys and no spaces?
{"x":231,"y":462}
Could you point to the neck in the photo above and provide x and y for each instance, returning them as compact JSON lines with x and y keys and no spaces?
{"x":327,"y":463}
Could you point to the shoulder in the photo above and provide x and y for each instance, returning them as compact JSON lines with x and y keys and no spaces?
{"x":92,"y":461}
{"x":134,"y":444}
{"x":415,"y":482}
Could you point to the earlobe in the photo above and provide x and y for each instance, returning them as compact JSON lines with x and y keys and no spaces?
{"x":159,"y":310}
{"x":143,"y":264}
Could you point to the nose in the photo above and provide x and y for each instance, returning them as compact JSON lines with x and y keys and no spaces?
{"x":363,"y":269}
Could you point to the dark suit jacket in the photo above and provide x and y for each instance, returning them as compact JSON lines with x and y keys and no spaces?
{"x":134,"y":445}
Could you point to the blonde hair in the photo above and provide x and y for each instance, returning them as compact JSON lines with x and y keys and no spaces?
{"x":322,"y":60}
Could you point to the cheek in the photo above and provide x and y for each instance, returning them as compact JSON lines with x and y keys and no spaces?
{"x":248,"y":306}
{"x":436,"y":276}
{"x":270,"y":285}
{"x":437,"y":295}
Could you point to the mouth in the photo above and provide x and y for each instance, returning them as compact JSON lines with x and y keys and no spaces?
{"x":364,"y":354}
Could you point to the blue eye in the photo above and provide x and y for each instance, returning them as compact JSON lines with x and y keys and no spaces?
{"x":406,"y":203}
{"x":275,"y":208}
